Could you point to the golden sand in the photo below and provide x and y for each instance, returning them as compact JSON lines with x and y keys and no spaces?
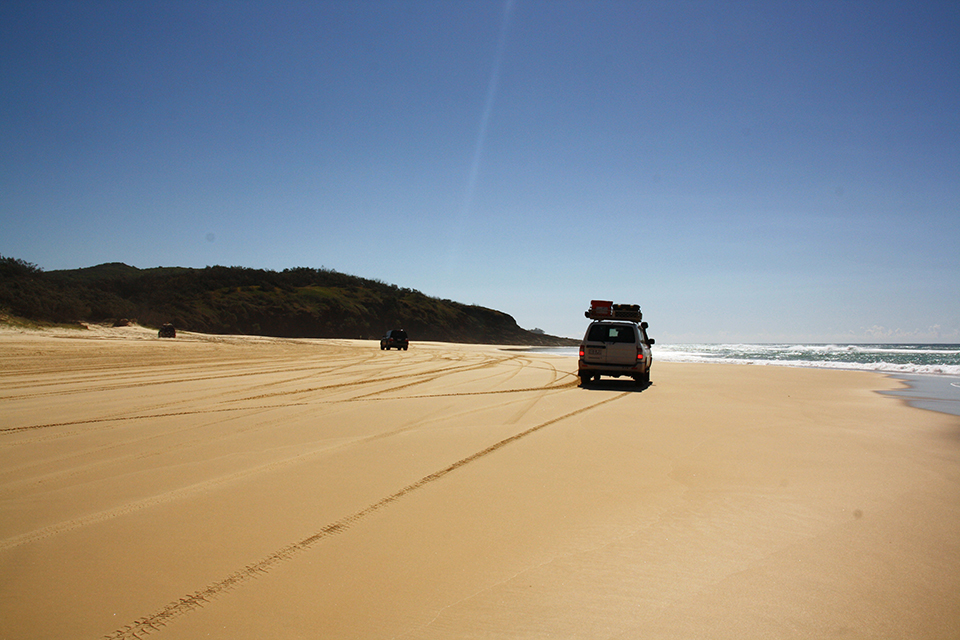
{"x":245,"y":488}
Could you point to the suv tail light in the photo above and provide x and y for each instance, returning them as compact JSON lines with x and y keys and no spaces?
{"x":581,"y":350}
{"x":639,"y":353}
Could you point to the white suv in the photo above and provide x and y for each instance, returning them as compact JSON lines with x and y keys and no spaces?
{"x":612,"y":348}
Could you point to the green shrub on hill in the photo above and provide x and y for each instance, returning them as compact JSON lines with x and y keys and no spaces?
{"x":299,"y":302}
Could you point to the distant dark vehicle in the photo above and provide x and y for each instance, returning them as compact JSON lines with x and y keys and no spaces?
{"x":167,"y":331}
{"x":394,"y":338}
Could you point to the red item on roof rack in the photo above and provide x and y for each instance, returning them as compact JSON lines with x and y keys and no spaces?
{"x":601,"y":308}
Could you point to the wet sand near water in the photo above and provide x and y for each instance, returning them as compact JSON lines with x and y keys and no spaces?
{"x":242,"y":488}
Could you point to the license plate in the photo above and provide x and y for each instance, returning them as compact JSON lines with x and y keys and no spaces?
{"x":595,"y":352}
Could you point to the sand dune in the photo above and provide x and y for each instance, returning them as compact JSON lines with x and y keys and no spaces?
{"x":261,"y":488}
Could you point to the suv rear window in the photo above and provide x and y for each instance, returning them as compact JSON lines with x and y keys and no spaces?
{"x":610,"y":333}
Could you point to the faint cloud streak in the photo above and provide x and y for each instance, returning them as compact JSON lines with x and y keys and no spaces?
{"x":466,"y":209}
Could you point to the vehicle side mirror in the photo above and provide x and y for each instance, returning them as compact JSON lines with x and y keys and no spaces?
{"x":651,"y":341}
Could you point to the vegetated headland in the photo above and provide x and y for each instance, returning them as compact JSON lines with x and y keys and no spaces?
{"x":293,"y":303}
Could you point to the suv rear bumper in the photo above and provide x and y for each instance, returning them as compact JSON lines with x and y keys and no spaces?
{"x":612,"y":369}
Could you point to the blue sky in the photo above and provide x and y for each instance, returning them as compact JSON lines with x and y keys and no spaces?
{"x":745,"y":171}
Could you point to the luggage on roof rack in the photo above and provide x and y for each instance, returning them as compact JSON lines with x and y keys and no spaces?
{"x":606,"y":310}
{"x":600,"y":309}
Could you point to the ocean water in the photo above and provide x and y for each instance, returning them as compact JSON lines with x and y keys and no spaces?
{"x":932,"y":371}
{"x":930,"y":359}
{"x":926,"y":359}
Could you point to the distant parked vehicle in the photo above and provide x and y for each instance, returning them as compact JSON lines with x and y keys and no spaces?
{"x":394,"y":338}
{"x":167,"y":331}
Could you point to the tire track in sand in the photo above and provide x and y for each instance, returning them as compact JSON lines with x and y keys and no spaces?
{"x":197,"y":599}
{"x":427,"y":376}
{"x":84,"y":382}
{"x":177,"y":494}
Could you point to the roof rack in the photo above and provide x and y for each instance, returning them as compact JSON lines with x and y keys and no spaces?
{"x":606,"y":310}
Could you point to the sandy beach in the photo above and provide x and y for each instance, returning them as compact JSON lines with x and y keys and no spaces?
{"x":250,"y":488}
